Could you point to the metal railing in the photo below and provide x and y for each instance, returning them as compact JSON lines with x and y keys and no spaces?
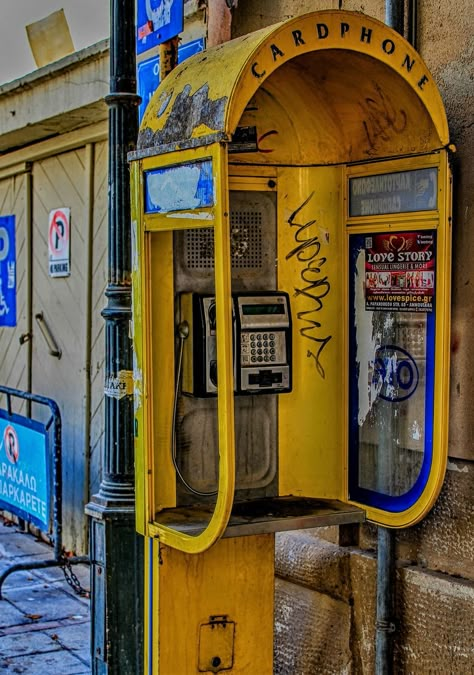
{"x":59,"y":559}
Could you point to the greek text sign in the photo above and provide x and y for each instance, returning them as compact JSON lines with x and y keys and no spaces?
{"x":7,"y":271}
{"x":59,"y":242}
{"x":398,"y":192}
{"x":24,"y":473}
{"x":400,"y":272}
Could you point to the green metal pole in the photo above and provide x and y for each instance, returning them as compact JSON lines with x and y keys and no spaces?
{"x":116,"y":550}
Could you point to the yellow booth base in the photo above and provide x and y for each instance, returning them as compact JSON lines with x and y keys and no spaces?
{"x":215,"y":609}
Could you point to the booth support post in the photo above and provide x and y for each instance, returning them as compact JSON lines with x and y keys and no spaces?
{"x":116,"y":550}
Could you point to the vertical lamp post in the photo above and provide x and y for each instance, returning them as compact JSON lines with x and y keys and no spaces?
{"x":116,"y":550}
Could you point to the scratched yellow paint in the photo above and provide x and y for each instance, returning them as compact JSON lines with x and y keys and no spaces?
{"x":310,"y":269}
{"x":235,"y":579}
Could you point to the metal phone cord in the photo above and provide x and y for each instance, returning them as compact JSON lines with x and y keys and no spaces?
{"x":183,"y":332}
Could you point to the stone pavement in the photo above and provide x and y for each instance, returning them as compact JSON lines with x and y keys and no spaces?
{"x":44,"y":624}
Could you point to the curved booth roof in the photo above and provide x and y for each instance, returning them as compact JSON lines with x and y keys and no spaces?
{"x":324,"y":88}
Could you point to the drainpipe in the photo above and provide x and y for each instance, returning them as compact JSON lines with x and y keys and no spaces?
{"x":413,"y":23}
{"x":394,"y":15}
{"x":385,"y":627}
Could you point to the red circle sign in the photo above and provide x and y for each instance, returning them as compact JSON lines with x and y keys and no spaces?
{"x":58,"y":232}
{"x":11,"y":445}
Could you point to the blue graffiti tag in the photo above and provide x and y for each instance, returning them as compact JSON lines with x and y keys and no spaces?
{"x":395,"y":373}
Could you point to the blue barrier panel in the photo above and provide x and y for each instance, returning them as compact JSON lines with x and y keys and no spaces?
{"x":25,"y":485}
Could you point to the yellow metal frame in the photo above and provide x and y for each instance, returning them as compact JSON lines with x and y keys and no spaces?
{"x":154,"y":338}
{"x":441,"y":221}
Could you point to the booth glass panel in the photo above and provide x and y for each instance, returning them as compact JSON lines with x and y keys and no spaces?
{"x":391,"y":332}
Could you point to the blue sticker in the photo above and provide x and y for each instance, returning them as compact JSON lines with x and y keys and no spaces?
{"x":179,"y":187}
{"x":396,"y":374}
{"x":7,"y":271}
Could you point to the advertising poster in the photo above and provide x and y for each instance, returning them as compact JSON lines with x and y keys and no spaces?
{"x":400,"y":272}
{"x":7,"y":271}
{"x":24,"y":473}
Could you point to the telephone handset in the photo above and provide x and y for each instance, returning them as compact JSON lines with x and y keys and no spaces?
{"x":261,"y":337}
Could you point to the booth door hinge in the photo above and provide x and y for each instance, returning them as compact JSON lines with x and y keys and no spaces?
{"x":216,"y":644}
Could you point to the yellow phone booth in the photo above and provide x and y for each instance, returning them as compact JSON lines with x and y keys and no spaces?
{"x":291,"y":289}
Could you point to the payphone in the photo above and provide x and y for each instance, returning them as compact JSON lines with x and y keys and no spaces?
{"x":274,"y":389}
{"x":261,"y":343}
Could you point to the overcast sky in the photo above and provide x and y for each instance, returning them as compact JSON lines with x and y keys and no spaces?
{"x":88,"y":22}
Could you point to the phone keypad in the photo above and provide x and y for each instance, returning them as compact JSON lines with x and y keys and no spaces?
{"x":262,"y":348}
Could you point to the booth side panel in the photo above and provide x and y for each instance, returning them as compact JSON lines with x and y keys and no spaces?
{"x":311,"y":418}
{"x":160,"y":369}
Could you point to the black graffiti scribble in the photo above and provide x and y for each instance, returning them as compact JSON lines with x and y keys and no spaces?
{"x":317,"y":286}
{"x":381,"y":118}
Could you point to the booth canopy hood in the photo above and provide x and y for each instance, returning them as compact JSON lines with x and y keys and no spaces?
{"x":324,"y":88}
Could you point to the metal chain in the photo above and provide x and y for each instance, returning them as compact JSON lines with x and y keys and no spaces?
{"x":72,"y":579}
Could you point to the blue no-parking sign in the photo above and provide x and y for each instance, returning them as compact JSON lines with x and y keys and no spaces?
{"x":149,"y":72}
{"x":7,"y":271}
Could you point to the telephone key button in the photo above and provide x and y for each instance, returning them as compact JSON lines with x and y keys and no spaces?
{"x":253,"y":359}
{"x":259,"y":351}
{"x":265,"y":336}
{"x":272,"y":357}
{"x":259,"y":359}
{"x":272,"y":336}
{"x":259,"y":336}
{"x":253,"y":351}
{"x":265,"y":358}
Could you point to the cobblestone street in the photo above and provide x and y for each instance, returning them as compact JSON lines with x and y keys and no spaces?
{"x":44,"y":624}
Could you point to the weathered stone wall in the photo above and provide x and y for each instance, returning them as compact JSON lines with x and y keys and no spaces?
{"x":444,"y":540}
{"x":446,"y":43}
{"x":325,"y":613}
